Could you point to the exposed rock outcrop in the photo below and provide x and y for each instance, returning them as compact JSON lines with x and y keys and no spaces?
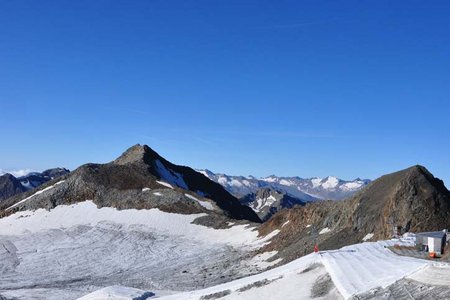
{"x":267,"y":201}
{"x":408,"y":200}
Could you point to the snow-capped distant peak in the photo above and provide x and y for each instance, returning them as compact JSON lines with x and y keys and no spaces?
{"x":329,"y":182}
{"x":316,"y":181}
{"x":206,"y":172}
{"x":353,"y":185}
{"x":287,"y":182}
{"x":271,"y":178}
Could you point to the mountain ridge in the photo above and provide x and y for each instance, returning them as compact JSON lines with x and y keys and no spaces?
{"x":11,"y":185}
{"x":408,"y":200}
{"x":122,"y":184}
{"x":305,"y":189}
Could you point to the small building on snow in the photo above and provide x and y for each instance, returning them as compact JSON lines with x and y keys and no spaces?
{"x":432,"y":241}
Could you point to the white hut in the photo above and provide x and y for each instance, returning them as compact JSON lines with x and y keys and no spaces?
{"x":433,"y":242}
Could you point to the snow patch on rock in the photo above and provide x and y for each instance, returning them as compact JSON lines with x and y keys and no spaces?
{"x":204,"y":204}
{"x":170,"y":176}
{"x":35,"y":194}
{"x":325,"y":230}
{"x":368,"y":236}
{"x":165,"y":184}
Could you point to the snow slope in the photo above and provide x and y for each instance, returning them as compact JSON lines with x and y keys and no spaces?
{"x":74,"y":250}
{"x":87,"y":213}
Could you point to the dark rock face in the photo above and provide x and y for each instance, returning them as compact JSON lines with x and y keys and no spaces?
{"x":411,"y":200}
{"x":121,"y":184}
{"x":9,"y":186}
{"x":191,"y":180}
{"x":35,"y":179}
{"x":55,"y":172}
{"x":267,"y":201}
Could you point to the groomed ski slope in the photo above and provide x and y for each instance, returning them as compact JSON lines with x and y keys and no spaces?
{"x":362,"y":267}
{"x":354,"y":269}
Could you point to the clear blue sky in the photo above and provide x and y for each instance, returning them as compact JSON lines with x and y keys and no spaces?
{"x":307,"y":88}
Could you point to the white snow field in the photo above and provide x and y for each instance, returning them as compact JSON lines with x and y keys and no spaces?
{"x":73,"y":250}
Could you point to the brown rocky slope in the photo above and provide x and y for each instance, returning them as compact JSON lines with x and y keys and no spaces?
{"x":411,"y":199}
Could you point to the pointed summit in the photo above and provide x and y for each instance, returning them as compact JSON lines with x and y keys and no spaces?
{"x":413,"y":198}
{"x":9,"y":186}
{"x":137,"y":154}
{"x":122,"y":184}
{"x":410,"y":200}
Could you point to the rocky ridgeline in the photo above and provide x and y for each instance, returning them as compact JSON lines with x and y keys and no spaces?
{"x":409,"y":200}
{"x":11,"y":186}
{"x":140,"y":178}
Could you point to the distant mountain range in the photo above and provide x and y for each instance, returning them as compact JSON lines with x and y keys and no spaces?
{"x":11,"y":185}
{"x":304,"y":189}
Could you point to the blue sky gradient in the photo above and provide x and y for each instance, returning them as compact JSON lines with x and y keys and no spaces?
{"x":307,"y":88}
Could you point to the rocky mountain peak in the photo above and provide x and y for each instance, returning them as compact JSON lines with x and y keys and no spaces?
{"x":137,"y":154}
{"x":266,"y":201}
{"x":9,"y":186}
{"x":8,"y":176}
{"x":266,"y":192}
{"x":138,"y":179}
{"x":410,"y":200}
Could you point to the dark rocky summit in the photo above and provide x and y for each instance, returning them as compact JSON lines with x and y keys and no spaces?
{"x":408,"y":200}
{"x":35,"y":179}
{"x":140,"y":178}
{"x":10,"y":186}
{"x":267,"y":201}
